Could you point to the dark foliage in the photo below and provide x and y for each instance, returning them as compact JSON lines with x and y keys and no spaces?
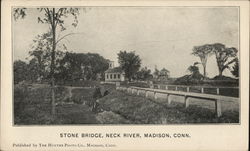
{"x":192,"y":79}
{"x":81,"y":66}
{"x":129,"y":62}
{"x":143,"y":74}
{"x":235,"y":69}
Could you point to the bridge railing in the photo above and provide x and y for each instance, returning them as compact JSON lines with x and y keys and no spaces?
{"x":210,"y":97}
{"x":218,"y":90}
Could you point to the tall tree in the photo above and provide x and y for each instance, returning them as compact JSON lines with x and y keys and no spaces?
{"x":224,"y":56}
{"x":202,"y":52}
{"x":54,"y":17}
{"x":129,"y":62}
{"x":41,"y":52}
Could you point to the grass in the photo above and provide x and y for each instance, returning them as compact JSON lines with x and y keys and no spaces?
{"x":146,"y":111}
{"x":75,"y":114}
{"x":32,"y":106}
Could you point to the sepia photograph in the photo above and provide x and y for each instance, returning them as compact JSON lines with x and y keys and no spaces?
{"x":124,"y":75}
{"x":126,"y":65}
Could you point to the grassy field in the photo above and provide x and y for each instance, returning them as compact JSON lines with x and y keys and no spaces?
{"x":140,"y":110}
{"x":32,"y":106}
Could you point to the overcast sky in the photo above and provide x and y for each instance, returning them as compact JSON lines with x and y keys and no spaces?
{"x":161,"y":36}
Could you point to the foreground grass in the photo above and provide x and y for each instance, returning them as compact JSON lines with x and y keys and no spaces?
{"x":140,"y":110}
{"x":33,"y":106}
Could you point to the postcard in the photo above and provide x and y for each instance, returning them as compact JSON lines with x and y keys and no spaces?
{"x":124,"y":75}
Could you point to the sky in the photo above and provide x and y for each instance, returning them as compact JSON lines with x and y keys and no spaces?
{"x":161,"y":36}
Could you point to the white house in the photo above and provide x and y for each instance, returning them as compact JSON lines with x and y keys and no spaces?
{"x":114,"y":74}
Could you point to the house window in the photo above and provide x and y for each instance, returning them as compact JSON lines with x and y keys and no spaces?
{"x":118,"y":76}
{"x":107,"y":76}
{"x":110,"y":76}
{"x":114,"y":76}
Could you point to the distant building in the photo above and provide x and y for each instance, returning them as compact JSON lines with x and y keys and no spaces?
{"x":164,"y":73}
{"x":114,"y":74}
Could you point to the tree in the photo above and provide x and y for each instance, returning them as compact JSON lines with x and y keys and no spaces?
{"x":20,"y":71}
{"x":26,"y":71}
{"x":129,"y":62}
{"x":193,"y":69}
{"x":143,"y":74}
{"x":194,"y":78}
{"x":33,"y":71}
{"x":224,"y":56}
{"x":55,"y":18}
{"x":195,"y":73}
{"x":41,"y":52}
{"x":202,"y":52}
{"x":235,"y":68}
{"x":76,"y":66}
{"x":164,"y":74}
{"x":156,"y":73}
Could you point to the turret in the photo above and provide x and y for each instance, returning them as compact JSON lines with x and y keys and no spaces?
{"x":111,"y":64}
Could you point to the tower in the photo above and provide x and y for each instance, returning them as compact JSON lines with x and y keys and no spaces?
{"x":111,"y":64}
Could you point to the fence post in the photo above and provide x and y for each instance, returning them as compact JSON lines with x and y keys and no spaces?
{"x":218,"y":108}
{"x":138,"y":92}
{"x":70,"y":93}
{"x":146,"y":93}
{"x":166,"y":87}
{"x":159,"y":86}
{"x":168,"y":100}
{"x":176,"y":88}
{"x":155,"y":96}
{"x":117,"y":84}
{"x":187,"y":89}
{"x":202,"y":90}
{"x":218,"y":91}
{"x":186,"y":100}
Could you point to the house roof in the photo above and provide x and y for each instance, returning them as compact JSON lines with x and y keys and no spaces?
{"x":115,"y":70}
